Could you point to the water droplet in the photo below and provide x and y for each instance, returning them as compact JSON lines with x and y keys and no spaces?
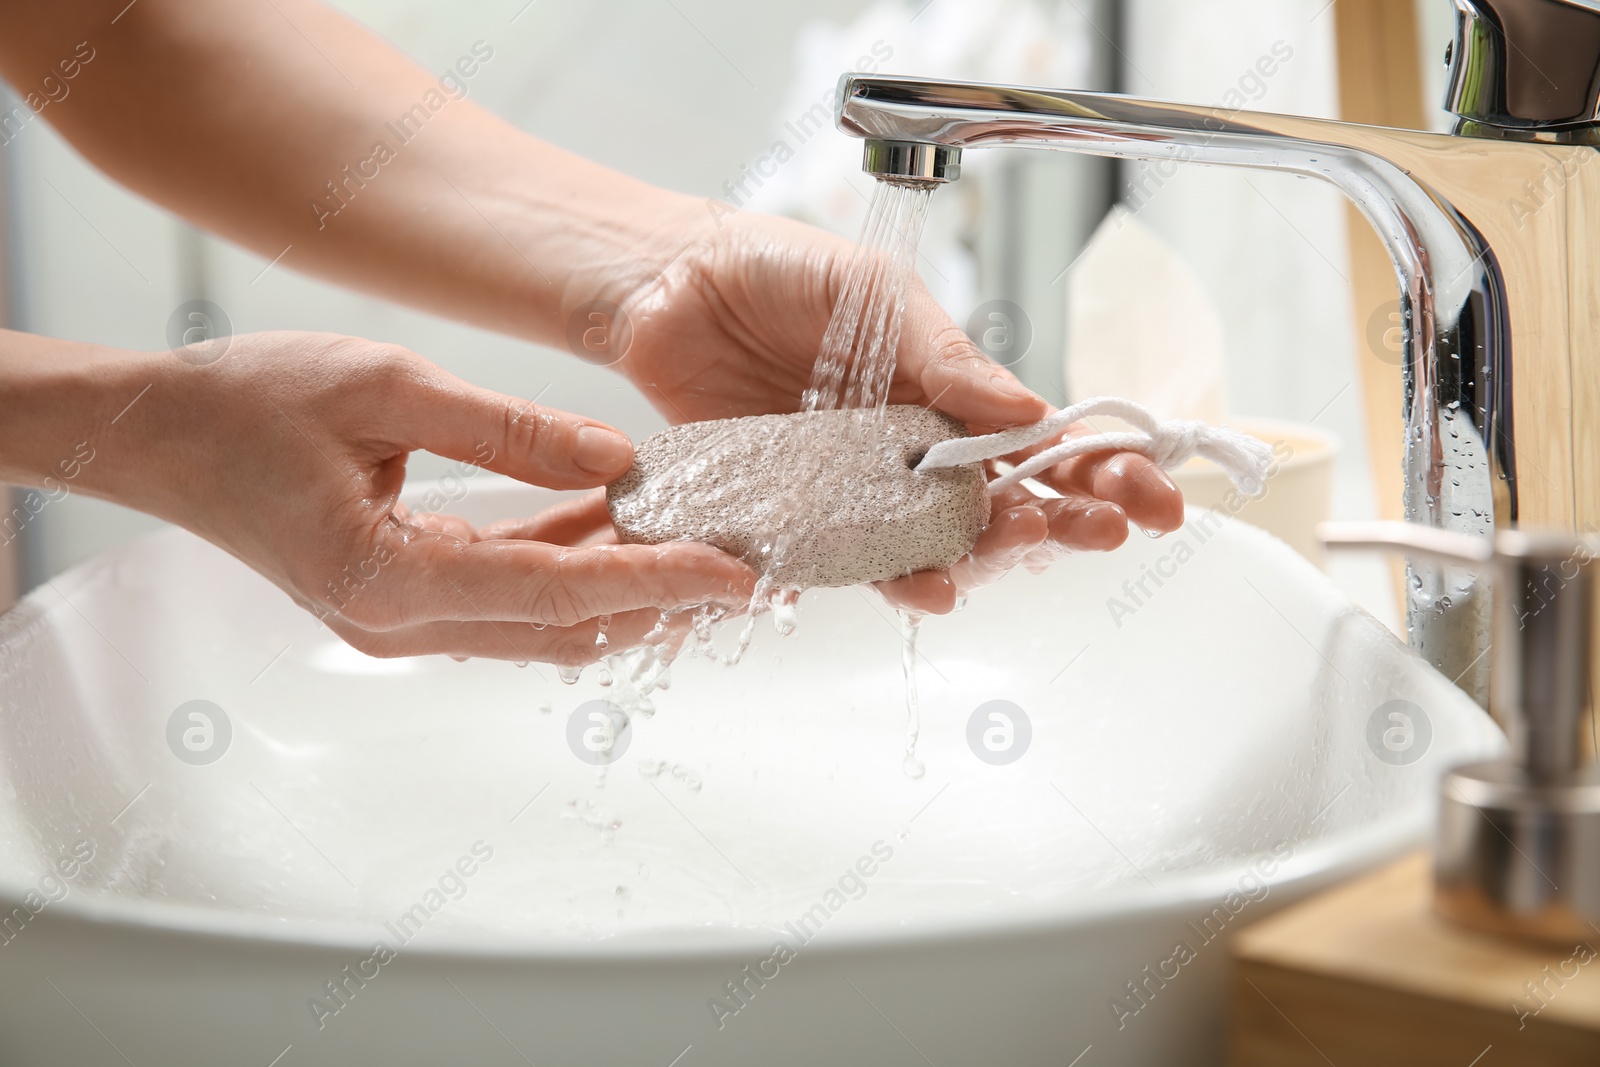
{"x":785,"y":611}
{"x":569,"y":675}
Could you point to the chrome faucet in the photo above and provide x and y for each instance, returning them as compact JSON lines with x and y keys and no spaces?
{"x":1494,"y":233}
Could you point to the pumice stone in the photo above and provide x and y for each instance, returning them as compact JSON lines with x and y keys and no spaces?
{"x":821,"y":498}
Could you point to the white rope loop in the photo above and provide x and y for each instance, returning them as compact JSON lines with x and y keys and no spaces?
{"x":1167,"y":443}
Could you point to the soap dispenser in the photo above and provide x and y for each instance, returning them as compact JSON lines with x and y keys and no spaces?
{"x":1518,"y":848}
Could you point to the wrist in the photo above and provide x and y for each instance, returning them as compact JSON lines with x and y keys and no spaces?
{"x":62,"y":413}
{"x":544,"y":233}
{"x":628,"y":243}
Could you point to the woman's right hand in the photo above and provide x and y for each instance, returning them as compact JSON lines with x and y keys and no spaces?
{"x":289,"y":450}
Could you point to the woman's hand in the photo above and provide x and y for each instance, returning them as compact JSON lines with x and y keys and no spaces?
{"x":289,"y":451}
{"x":732,"y":325}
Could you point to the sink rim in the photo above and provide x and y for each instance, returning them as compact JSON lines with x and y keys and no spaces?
{"x":1331,"y":860}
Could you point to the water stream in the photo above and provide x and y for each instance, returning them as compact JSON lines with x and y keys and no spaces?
{"x":910,"y":623}
{"x":856,"y":363}
{"x":854,"y":371}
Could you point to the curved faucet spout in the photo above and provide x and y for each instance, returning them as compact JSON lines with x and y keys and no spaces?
{"x":1460,"y":468}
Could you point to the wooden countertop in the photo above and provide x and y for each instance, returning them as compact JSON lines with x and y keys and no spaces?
{"x":1367,"y":974}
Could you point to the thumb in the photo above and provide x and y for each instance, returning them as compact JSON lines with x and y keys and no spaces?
{"x":955,"y":375}
{"x":518,"y":438}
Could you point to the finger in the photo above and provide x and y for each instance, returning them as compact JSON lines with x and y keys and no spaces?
{"x":439,"y":579}
{"x":451,"y":418}
{"x":1131,"y":481}
{"x":1005,"y":542}
{"x":569,"y":523}
{"x":925,"y":592}
{"x":1016,"y":495}
{"x":1085,"y":523}
{"x":953,"y":375}
{"x":565,"y":646}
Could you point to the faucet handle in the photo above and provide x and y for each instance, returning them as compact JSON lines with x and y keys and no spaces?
{"x":1526,"y":69}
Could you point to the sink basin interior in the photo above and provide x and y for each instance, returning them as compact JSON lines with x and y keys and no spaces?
{"x":1224,"y":715}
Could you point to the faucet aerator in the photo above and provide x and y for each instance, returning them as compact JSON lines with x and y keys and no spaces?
{"x":917,"y":163}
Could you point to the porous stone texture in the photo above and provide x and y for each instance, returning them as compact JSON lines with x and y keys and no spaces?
{"x":808,"y":497}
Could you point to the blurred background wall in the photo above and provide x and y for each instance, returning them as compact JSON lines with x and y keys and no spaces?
{"x":691,"y":94}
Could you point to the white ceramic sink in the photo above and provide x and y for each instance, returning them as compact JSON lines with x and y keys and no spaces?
{"x":1223,"y":725}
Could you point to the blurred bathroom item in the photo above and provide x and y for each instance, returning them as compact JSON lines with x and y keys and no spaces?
{"x":1299,"y":495}
{"x":1141,"y":325}
{"x":1001,"y":239}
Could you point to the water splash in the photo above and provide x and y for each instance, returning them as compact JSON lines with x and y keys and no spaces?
{"x":602,"y":821}
{"x":691,"y":778}
{"x":785,"y":605}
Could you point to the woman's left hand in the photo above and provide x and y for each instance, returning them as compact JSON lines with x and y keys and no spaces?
{"x":732,"y":325}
